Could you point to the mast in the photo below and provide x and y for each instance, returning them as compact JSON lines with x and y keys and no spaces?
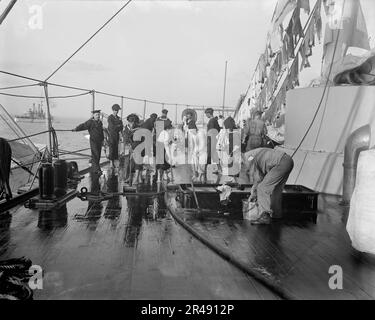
{"x":225,"y":82}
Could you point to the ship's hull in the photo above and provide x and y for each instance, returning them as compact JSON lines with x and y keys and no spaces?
{"x":319,"y":160}
{"x":17,"y":119}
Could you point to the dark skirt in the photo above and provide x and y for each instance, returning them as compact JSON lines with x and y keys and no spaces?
{"x":113,"y":148}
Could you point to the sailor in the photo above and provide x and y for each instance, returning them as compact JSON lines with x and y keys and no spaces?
{"x":95,"y":129}
{"x":115,"y":126}
{"x":269,"y":170}
{"x":164,"y":117}
{"x":149,"y":124}
{"x":254,"y":132}
{"x":211,"y":125}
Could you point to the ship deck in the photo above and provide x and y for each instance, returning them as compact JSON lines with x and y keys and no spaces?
{"x":115,"y":250}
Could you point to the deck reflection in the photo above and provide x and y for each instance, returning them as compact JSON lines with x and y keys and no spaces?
{"x":119,"y":249}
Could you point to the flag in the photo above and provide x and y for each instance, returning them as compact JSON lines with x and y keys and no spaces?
{"x":282,"y":9}
{"x":345,"y":17}
{"x":305,"y":5}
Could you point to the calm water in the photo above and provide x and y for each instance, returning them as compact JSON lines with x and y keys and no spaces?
{"x":70,"y":141}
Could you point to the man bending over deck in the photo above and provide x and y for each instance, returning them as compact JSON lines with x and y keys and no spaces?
{"x":95,"y":129}
{"x":269,"y":169}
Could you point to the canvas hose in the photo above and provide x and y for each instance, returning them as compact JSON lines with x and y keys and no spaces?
{"x":85,"y":195}
{"x":226,"y":255}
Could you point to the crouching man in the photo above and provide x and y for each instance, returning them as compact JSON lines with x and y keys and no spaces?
{"x":269,"y":170}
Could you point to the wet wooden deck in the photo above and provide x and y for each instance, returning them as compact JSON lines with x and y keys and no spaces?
{"x":295,"y":254}
{"x":113,"y":250}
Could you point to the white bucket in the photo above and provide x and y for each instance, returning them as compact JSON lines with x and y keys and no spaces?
{"x":249,"y":210}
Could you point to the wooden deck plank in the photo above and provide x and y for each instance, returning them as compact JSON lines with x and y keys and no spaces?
{"x":298,"y":254}
{"x":103,"y":252}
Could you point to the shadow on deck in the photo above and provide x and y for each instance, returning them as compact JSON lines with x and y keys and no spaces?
{"x":115,"y":249}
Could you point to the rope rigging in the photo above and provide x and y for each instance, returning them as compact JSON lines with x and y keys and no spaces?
{"x":40,"y":97}
{"x":89,"y":91}
{"x":87,"y":41}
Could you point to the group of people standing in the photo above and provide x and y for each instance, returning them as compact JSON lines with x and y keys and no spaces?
{"x":98,"y":134}
{"x":217,"y":144}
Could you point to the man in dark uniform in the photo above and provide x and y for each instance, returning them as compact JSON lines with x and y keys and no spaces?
{"x":212,"y":124}
{"x":164,"y":117}
{"x":115,"y":126}
{"x":95,"y":129}
{"x":254,"y":132}
{"x":269,"y":169}
{"x":149,"y":124}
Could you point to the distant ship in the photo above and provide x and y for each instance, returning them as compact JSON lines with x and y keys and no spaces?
{"x":34,"y":114}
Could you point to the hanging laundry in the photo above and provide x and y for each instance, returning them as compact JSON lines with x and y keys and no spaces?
{"x":283,"y":94}
{"x":305,"y":5}
{"x":318,"y":20}
{"x":297,"y":29}
{"x":262,"y":69}
{"x":270,"y":83}
{"x":295,"y":72}
{"x":262,"y":99}
{"x":278,"y":62}
{"x":310,"y":35}
{"x":271,"y":53}
{"x":283,"y":7}
{"x":352,"y":26}
{"x":267,"y":58}
{"x":275,"y":40}
{"x":274,"y":75}
{"x":284,"y":53}
{"x":289,"y":40}
{"x":305,"y":51}
{"x":292,"y":79}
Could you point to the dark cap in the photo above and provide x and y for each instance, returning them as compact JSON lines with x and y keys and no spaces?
{"x":96,"y":111}
{"x":164,"y":111}
{"x":209,"y":110}
{"x":153,"y":115}
{"x":132,"y":118}
{"x":116,"y":107}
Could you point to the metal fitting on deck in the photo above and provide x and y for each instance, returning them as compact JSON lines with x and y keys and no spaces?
{"x":358,"y":141}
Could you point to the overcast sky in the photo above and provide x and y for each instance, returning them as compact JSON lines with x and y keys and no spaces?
{"x":172,"y":51}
